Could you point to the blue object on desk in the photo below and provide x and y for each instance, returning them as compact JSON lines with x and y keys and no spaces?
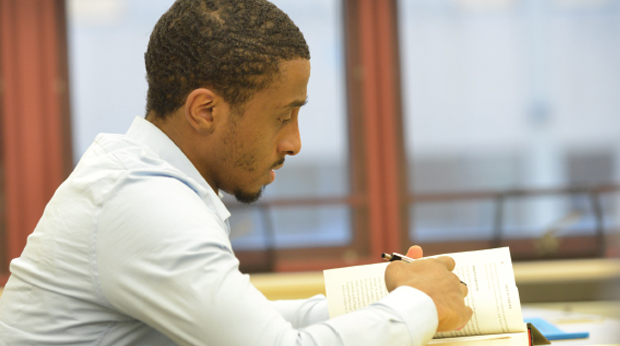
{"x":552,"y":332}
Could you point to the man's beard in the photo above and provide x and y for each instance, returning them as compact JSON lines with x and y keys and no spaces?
{"x":246,"y":197}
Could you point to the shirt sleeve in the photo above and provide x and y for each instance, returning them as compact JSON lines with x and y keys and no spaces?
{"x":164,"y":258}
{"x":303,"y":312}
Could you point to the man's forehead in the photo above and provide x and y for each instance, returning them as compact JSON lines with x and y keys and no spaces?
{"x":289,"y":89}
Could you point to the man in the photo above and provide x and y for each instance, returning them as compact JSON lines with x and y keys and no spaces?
{"x":133,"y":248}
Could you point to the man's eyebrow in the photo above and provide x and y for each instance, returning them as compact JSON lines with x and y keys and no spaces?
{"x":297,"y":103}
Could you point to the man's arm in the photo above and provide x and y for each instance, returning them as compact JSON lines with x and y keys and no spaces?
{"x":169,"y":265}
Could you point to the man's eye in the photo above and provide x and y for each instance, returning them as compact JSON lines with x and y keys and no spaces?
{"x":284,"y":121}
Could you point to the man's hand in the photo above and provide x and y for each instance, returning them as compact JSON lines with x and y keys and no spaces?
{"x":434,"y":277}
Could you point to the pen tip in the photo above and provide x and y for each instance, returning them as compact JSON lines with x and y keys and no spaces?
{"x":386,"y":256}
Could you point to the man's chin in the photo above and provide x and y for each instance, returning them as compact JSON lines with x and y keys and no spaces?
{"x":248,"y":197}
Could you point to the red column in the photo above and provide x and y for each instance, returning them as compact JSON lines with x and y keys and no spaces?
{"x":385,"y":161}
{"x":372,"y":117}
{"x":394,"y":160}
{"x":34,"y":112}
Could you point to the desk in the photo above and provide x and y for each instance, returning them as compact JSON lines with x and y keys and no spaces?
{"x":600,"y":318}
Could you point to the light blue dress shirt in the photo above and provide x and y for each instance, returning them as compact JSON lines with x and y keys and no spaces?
{"x":133,"y":249}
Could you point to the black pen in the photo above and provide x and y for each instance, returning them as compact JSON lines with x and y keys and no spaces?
{"x":398,"y":257}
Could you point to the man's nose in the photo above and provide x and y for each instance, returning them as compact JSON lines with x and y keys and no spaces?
{"x":291,"y":142}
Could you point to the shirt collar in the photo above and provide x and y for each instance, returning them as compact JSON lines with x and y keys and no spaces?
{"x":145,"y":132}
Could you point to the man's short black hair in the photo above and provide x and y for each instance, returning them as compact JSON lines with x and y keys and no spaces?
{"x":233,"y":47}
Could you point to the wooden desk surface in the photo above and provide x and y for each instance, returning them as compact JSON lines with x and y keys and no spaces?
{"x":567,"y":270}
{"x":609,"y":309}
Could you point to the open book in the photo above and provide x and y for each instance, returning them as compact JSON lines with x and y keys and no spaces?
{"x":493,"y":296}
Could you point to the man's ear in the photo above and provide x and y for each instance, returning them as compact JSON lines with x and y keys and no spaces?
{"x":199,"y":110}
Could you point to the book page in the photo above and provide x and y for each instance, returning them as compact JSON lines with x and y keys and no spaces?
{"x":351,"y":288}
{"x":493,"y":294}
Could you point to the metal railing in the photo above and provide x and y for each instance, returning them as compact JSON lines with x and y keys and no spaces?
{"x":499,"y":198}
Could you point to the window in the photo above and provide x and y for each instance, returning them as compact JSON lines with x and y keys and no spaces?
{"x":512,"y":109}
{"x":107,"y":41}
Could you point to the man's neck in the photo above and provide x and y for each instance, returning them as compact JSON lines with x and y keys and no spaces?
{"x":181,"y":133}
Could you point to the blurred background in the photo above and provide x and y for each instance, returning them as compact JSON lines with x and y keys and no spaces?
{"x":454,"y":124}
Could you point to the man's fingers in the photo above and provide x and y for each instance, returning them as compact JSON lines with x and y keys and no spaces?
{"x":447,"y":261}
{"x":456,"y":320}
{"x":464,"y":290}
{"x":465,"y":317}
{"x":468,"y":314}
{"x":415,"y":252}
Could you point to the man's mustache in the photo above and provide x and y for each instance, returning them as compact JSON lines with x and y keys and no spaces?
{"x":279,"y":163}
